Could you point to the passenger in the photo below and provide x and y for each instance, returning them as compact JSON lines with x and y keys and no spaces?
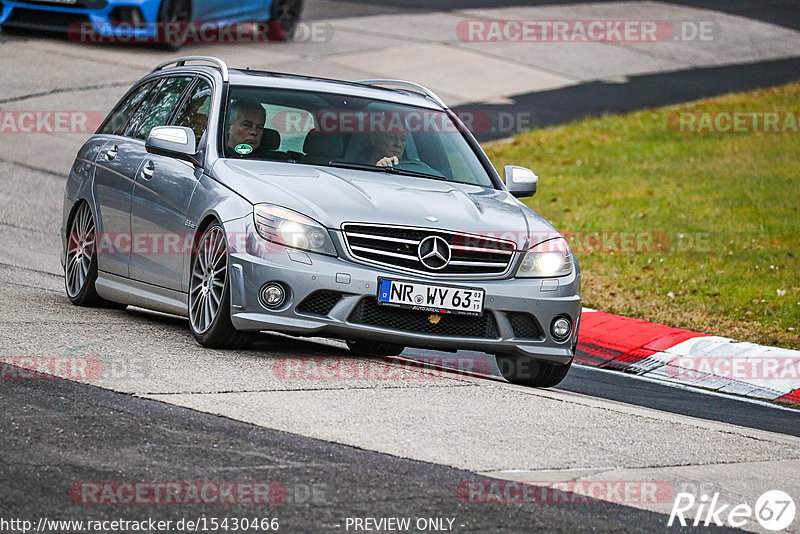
{"x":196,"y":117}
{"x":245,"y":126}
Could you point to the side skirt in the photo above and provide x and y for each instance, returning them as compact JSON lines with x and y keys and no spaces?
{"x":134,"y":293}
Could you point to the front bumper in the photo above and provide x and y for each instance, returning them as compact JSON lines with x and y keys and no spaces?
{"x":506,"y":327}
{"x":84,"y":21}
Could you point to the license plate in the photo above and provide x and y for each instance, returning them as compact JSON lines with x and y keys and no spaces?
{"x":430,"y":298}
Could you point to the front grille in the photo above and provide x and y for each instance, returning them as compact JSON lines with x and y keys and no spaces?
{"x":525,"y":326}
{"x":398,"y":247}
{"x":37,"y":19}
{"x":369,"y":312}
{"x":319,"y":302}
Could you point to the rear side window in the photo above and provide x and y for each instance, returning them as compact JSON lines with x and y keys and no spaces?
{"x":194,"y":112}
{"x":119,"y":118}
{"x":163,"y":101}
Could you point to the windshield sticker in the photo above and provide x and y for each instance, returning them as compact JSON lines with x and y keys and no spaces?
{"x":243,"y":149}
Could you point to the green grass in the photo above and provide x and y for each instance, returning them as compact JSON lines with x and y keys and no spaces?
{"x":738,"y":194}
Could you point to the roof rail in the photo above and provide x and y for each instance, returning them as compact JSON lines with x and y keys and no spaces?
{"x":407,"y":85}
{"x":181,"y":61}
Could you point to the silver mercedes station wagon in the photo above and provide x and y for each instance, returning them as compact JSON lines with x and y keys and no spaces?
{"x":254,"y":201}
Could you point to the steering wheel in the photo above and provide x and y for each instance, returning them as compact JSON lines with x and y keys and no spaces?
{"x":416,"y":165}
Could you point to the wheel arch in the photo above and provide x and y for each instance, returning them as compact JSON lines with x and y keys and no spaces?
{"x":163,"y":3}
{"x":207,"y":220}
{"x":70,"y":216}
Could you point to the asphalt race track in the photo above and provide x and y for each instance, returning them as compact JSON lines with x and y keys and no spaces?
{"x":407,"y":437}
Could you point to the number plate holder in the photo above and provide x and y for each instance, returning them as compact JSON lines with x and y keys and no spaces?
{"x":434,"y":298}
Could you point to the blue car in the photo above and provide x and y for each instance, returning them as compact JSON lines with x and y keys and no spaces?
{"x":145,"y":19}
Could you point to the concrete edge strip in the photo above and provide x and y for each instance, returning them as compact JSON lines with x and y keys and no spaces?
{"x":691,"y":358}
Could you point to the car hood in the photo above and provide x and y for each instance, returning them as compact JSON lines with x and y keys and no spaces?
{"x":334,"y":196}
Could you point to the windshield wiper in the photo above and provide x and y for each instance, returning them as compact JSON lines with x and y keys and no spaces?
{"x":389,"y":170}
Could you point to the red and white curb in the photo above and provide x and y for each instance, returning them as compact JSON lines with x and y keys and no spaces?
{"x":690,"y":358}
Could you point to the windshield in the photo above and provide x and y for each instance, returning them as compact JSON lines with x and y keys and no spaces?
{"x":343,"y":131}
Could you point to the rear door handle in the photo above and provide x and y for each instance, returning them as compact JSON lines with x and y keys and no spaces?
{"x":112,"y":152}
{"x":148,"y":169}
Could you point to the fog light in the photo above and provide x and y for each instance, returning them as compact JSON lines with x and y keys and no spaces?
{"x":272,"y":295}
{"x":561,"y":328}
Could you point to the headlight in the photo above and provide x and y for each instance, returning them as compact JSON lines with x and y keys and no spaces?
{"x":289,"y":228}
{"x":551,"y":258}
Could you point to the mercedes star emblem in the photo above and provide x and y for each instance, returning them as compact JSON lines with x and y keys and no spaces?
{"x":434,"y":253}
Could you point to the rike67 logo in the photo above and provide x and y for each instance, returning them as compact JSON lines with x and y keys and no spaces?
{"x":774,"y":510}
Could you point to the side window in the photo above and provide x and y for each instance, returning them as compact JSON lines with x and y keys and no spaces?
{"x":119,"y":118}
{"x":194,"y":113}
{"x":161,"y":106}
{"x":135,"y":122}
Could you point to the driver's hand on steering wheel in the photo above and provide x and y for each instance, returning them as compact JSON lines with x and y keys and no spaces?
{"x":388,"y":161}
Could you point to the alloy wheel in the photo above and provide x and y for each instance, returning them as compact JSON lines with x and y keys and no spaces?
{"x":80,"y":250}
{"x":209,"y":275}
{"x":177,"y":11}
{"x":286,"y":14}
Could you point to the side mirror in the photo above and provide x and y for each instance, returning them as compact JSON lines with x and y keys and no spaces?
{"x":173,"y":141}
{"x":520,"y":181}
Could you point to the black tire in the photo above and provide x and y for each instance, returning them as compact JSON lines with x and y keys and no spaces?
{"x":529,"y":372}
{"x":173,"y":12}
{"x":80,"y":269}
{"x":365,"y":347}
{"x":284,"y":15}
{"x":215,"y":330}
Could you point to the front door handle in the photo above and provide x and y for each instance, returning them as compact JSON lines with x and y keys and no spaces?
{"x":112,"y":152}
{"x":148,"y":169}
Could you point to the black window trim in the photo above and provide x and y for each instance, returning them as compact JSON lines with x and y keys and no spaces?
{"x":156,"y":82}
{"x":197,"y":80}
{"x":163,"y":81}
{"x":122,"y":102}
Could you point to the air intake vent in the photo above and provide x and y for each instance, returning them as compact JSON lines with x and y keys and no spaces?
{"x":369,"y":312}
{"x":44,"y":20}
{"x":319,"y":302}
{"x":525,"y":326}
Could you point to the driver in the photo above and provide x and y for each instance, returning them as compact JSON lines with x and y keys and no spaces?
{"x":246,"y":125}
{"x":386,"y":148}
